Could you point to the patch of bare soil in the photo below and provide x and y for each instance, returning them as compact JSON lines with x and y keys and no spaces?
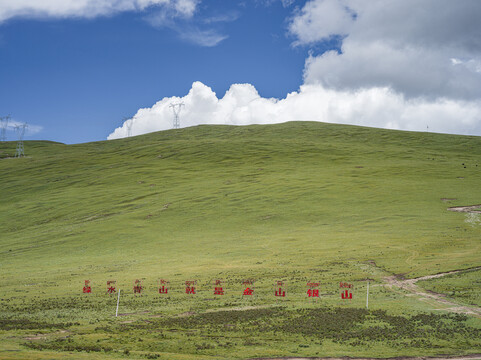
{"x":36,"y":337}
{"x":475,"y":209}
{"x":410,"y":286}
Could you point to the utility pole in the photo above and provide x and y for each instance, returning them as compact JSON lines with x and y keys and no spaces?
{"x":129,"y":122}
{"x":20,"y":130}
{"x":367,"y":295}
{"x":176,"y":109}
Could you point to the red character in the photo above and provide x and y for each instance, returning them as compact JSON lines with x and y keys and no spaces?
{"x":218,"y":291}
{"x":313,"y":290}
{"x":248,"y":291}
{"x":87,"y":289}
{"x":189,"y":287}
{"x":110,"y":286}
{"x":280,"y":293}
{"x":137,"y":287}
{"x":163,"y":286}
{"x":345,"y":294}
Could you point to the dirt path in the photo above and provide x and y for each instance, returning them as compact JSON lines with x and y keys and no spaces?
{"x":430,"y":296}
{"x":474,"y":209}
{"x":466,"y":357}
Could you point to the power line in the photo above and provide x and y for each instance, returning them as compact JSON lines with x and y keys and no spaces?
{"x":176,"y":109}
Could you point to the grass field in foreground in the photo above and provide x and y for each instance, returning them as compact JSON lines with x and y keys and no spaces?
{"x":295,"y":202}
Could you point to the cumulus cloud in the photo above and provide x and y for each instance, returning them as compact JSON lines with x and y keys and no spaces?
{"x":320,"y":20}
{"x":88,"y":8}
{"x":403,"y":64}
{"x":406,"y":45}
{"x":377,"y":107}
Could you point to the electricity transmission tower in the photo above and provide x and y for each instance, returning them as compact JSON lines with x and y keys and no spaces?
{"x":176,"y":109}
{"x":129,"y":122}
{"x":20,"y":130}
{"x":129,"y":127}
{"x":3,"y":127}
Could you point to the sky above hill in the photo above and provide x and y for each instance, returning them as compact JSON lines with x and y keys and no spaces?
{"x":82,"y":70}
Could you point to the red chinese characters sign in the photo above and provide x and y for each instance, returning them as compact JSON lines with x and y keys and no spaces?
{"x":111,"y":286}
{"x":87,"y":288}
{"x":313,"y":290}
{"x":137,"y":286}
{"x":163,"y":286}
{"x":248,"y":286}
{"x":190,"y":287}
{"x":280,"y":289}
{"x":346,"y":290}
{"x":218,"y":288}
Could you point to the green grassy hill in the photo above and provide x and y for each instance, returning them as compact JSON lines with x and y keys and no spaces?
{"x":296,"y":201}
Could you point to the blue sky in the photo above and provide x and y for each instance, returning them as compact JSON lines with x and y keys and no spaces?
{"x":77,"y":78}
{"x":73,"y":70}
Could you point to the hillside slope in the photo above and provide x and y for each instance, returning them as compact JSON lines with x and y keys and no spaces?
{"x":297,"y":202}
{"x":271,"y":199}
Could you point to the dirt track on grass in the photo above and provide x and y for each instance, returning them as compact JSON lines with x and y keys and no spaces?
{"x":475,"y":209}
{"x":430,"y":296}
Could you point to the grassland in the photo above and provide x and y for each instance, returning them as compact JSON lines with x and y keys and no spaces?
{"x":464,"y":287}
{"x":295,"y":202}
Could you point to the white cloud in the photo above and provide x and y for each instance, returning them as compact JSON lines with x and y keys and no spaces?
{"x":375,"y":107}
{"x":413,"y":71}
{"x":406,"y":45}
{"x":186,"y":7}
{"x":222,"y":18}
{"x":207,"y":38}
{"x":87,"y":8}
{"x":166,"y":13}
{"x":190,"y":31}
{"x":319,"y":20}
{"x":403,"y":64}
{"x":285,"y":3}
{"x":186,"y":31}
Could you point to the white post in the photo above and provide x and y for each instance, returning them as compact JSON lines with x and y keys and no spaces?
{"x":367,"y":296}
{"x":118,"y":299}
